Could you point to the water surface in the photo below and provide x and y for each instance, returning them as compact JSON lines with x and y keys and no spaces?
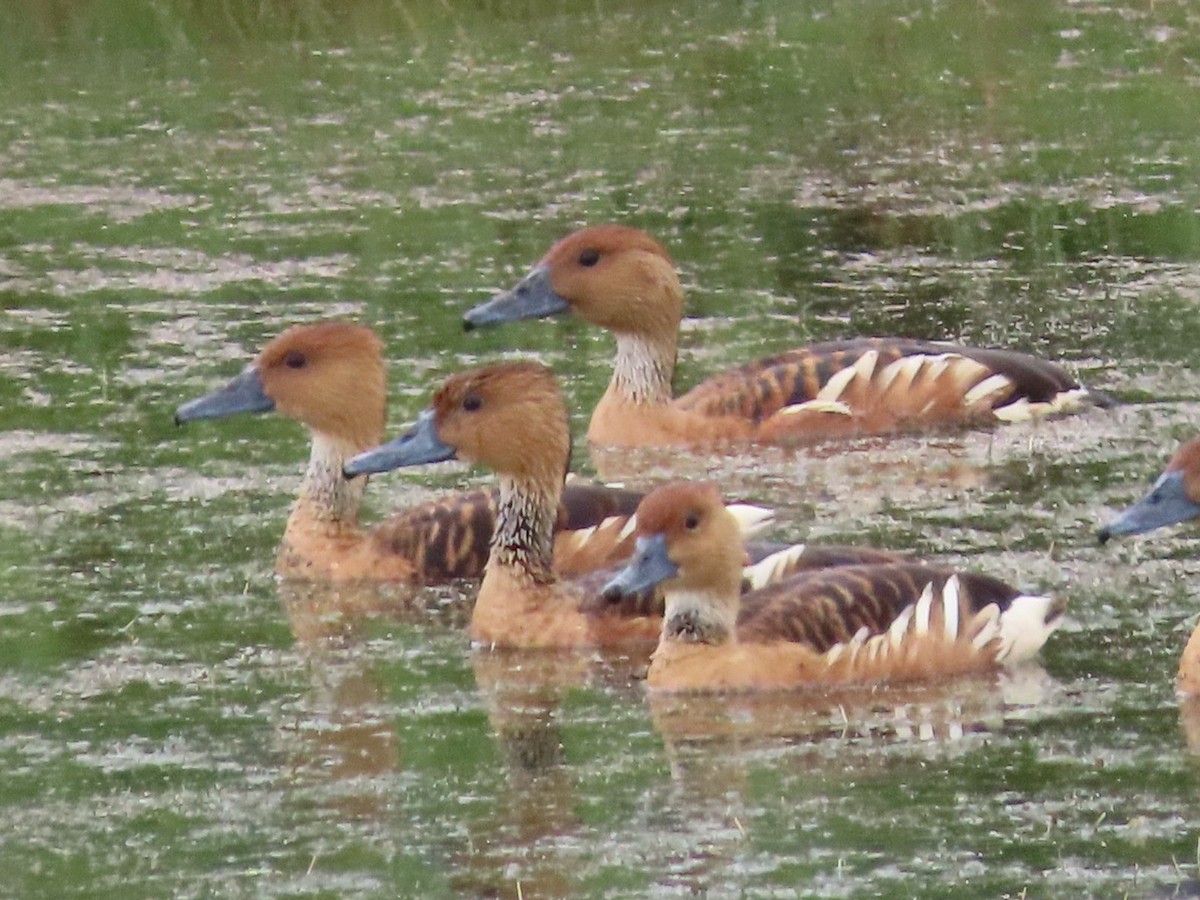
{"x":178,"y":182}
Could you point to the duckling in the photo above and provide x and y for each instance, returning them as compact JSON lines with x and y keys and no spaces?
{"x":1174,"y":498}
{"x":331,"y":377}
{"x":621,"y":279}
{"x":511,"y":417}
{"x":866,"y":623}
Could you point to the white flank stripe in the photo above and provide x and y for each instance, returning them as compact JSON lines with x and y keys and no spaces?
{"x":833,"y":388}
{"x":993,"y":384}
{"x":924,"y":604}
{"x":629,"y":528}
{"x":911,"y":367}
{"x":769,"y":569}
{"x":935,"y":366}
{"x":751,"y":519}
{"x":818,"y":405}
{"x":582,"y":535}
{"x":950,"y":607}
{"x":900,"y":627}
{"x":884,"y":379}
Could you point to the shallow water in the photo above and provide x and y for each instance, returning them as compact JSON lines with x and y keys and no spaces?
{"x":179,"y":181}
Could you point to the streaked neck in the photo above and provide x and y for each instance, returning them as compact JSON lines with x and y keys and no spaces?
{"x":326,"y":495}
{"x":524,"y":535}
{"x":643,"y":369}
{"x":699,"y":618}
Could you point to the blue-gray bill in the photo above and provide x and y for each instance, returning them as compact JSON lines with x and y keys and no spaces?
{"x":532,"y":298}
{"x":1166,"y":504}
{"x":419,"y":445}
{"x":648,"y":567}
{"x":242,"y":395}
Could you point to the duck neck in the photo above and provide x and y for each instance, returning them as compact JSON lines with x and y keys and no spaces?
{"x":699,"y":618}
{"x":327,"y":497}
{"x":644,"y":369}
{"x":524,"y":535}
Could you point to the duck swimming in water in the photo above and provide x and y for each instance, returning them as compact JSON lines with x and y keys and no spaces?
{"x":511,"y":418}
{"x":331,"y":377}
{"x":621,"y":279}
{"x":853,"y":624}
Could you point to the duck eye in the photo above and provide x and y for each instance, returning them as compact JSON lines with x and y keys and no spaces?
{"x":472,"y":402}
{"x":295,"y":360}
{"x":589,"y":258}
{"x":692,"y":522}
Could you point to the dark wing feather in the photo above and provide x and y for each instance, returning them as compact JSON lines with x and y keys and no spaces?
{"x":760,"y":389}
{"x":586,"y":504}
{"x":829,"y":606}
{"x":446,"y":538}
{"x":449,"y":537}
{"x":824,"y":556}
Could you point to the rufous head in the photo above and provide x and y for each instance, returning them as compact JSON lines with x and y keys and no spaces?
{"x":509,"y":416}
{"x":687,"y":541}
{"x":614,"y":276}
{"x":329,"y":376}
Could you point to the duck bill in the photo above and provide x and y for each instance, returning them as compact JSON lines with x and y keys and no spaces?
{"x":532,"y":298}
{"x":1166,"y":504}
{"x":418,"y":446}
{"x":648,"y":567}
{"x":242,"y":395}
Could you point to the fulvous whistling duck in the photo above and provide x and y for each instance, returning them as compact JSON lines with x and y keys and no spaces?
{"x":852,"y":624}
{"x":621,"y":279}
{"x":511,"y":417}
{"x":1174,"y":498}
{"x":331,"y":377}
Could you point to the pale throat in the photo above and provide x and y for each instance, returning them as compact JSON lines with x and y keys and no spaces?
{"x":525,"y":520}
{"x":695,"y":617}
{"x":326,"y":494}
{"x":643,"y":369}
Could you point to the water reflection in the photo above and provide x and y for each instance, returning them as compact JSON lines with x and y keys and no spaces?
{"x":940,"y":712}
{"x":524,"y":849}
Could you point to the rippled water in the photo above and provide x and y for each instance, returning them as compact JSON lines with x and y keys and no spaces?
{"x":179,"y":181}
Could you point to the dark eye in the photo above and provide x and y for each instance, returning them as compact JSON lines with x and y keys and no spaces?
{"x":472,"y":402}
{"x":295,"y":360}
{"x":692,"y":522}
{"x":589,"y":258}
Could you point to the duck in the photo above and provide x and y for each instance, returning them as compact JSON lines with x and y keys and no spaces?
{"x":1172,"y":499}
{"x":621,"y":279}
{"x":511,"y":417}
{"x":331,"y":377}
{"x":853,"y":624}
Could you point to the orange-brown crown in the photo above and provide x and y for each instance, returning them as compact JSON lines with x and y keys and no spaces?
{"x":1187,"y":460}
{"x":703,"y":538}
{"x":508,"y":416}
{"x":617,"y":277}
{"x":331,"y":377}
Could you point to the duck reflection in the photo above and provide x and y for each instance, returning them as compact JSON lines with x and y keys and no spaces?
{"x":344,"y":738}
{"x":524,"y":849}
{"x":718,"y":747}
